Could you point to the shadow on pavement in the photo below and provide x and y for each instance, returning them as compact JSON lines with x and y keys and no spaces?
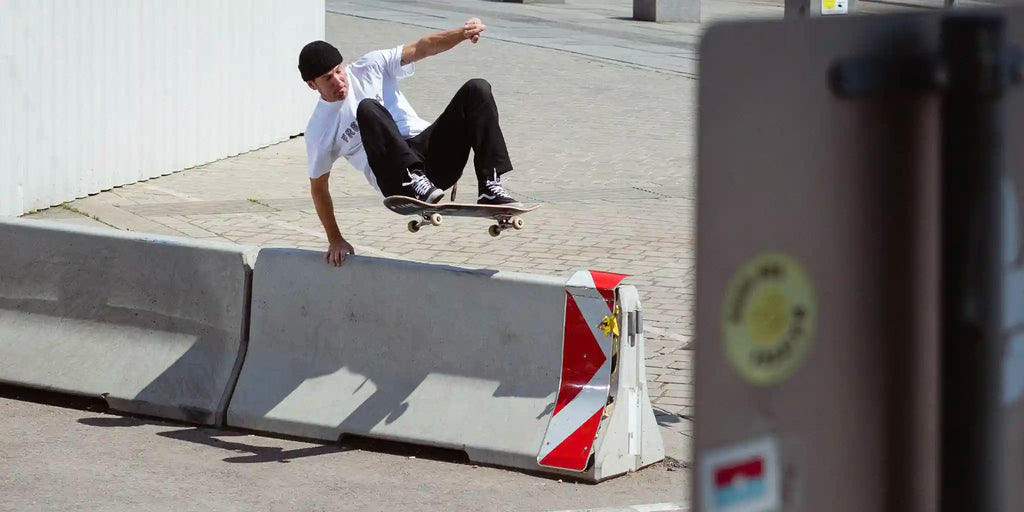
{"x":666,"y":418}
{"x":215,"y":438}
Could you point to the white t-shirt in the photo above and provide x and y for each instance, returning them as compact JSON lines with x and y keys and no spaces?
{"x":332,"y":130}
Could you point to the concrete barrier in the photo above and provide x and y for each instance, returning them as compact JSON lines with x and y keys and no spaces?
{"x":450,"y":357}
{"x":155,"y":325}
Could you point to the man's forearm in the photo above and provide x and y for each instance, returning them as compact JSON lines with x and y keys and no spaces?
{"x":325,"y":210}
{"x":439,"y":42}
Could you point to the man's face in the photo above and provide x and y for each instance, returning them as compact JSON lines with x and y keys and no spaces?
{"x":332,"y":85}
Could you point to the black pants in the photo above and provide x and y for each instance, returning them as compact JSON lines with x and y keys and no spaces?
{"x":442,"y":150}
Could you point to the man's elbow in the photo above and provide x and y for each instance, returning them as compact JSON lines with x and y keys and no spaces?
{"x":318,"y":187}
{"x":425,"y":47}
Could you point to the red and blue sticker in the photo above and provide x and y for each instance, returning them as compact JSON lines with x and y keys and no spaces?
{"x":741,"y":478}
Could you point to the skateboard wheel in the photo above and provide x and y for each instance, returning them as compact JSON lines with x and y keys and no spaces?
{"x":494,"y":230}
{"x":413,"y":226}
{"x":435,"y":219}
{"x":517,"y":223}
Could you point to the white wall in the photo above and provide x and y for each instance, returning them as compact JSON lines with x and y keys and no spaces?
{"x":101,"y":93}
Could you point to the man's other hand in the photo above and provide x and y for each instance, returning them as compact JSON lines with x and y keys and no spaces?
{"x":337,"y":252}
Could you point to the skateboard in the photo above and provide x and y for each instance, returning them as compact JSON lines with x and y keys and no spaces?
{"x":433,"y":214}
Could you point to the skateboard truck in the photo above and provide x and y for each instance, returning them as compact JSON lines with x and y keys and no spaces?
{"x":505,"y":222}
{"x":434,"y":219}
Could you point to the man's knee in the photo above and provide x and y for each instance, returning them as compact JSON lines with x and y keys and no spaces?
{"x":478,"y":85}
{"x":369,"y":107}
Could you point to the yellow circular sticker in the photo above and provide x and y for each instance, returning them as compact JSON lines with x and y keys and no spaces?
{"x":768,"y":318}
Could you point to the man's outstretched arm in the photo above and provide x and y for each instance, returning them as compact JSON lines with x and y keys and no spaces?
{"x":337,"y":248}
{"x":441,"y":41}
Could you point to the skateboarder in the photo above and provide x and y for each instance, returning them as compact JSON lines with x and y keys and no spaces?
{"x":363,"y":116}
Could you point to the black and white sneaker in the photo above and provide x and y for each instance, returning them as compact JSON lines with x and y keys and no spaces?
{"x":491,"y":192}
{"x":420,"y":187}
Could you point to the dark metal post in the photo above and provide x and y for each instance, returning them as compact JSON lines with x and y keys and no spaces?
{"x":977,"y":74}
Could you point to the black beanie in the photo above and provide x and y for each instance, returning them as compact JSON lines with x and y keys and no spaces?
{"x":317,"y":58}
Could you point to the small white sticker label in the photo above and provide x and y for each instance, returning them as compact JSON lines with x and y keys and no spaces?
{"x":833,"y":7}
{"x":742,"y":478}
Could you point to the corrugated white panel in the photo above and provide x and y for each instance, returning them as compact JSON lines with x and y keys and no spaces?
{"x":99,"y":94}
{"x":9,"y":183}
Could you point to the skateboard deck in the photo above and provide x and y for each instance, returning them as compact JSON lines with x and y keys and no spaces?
{"x":433,"y":214}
